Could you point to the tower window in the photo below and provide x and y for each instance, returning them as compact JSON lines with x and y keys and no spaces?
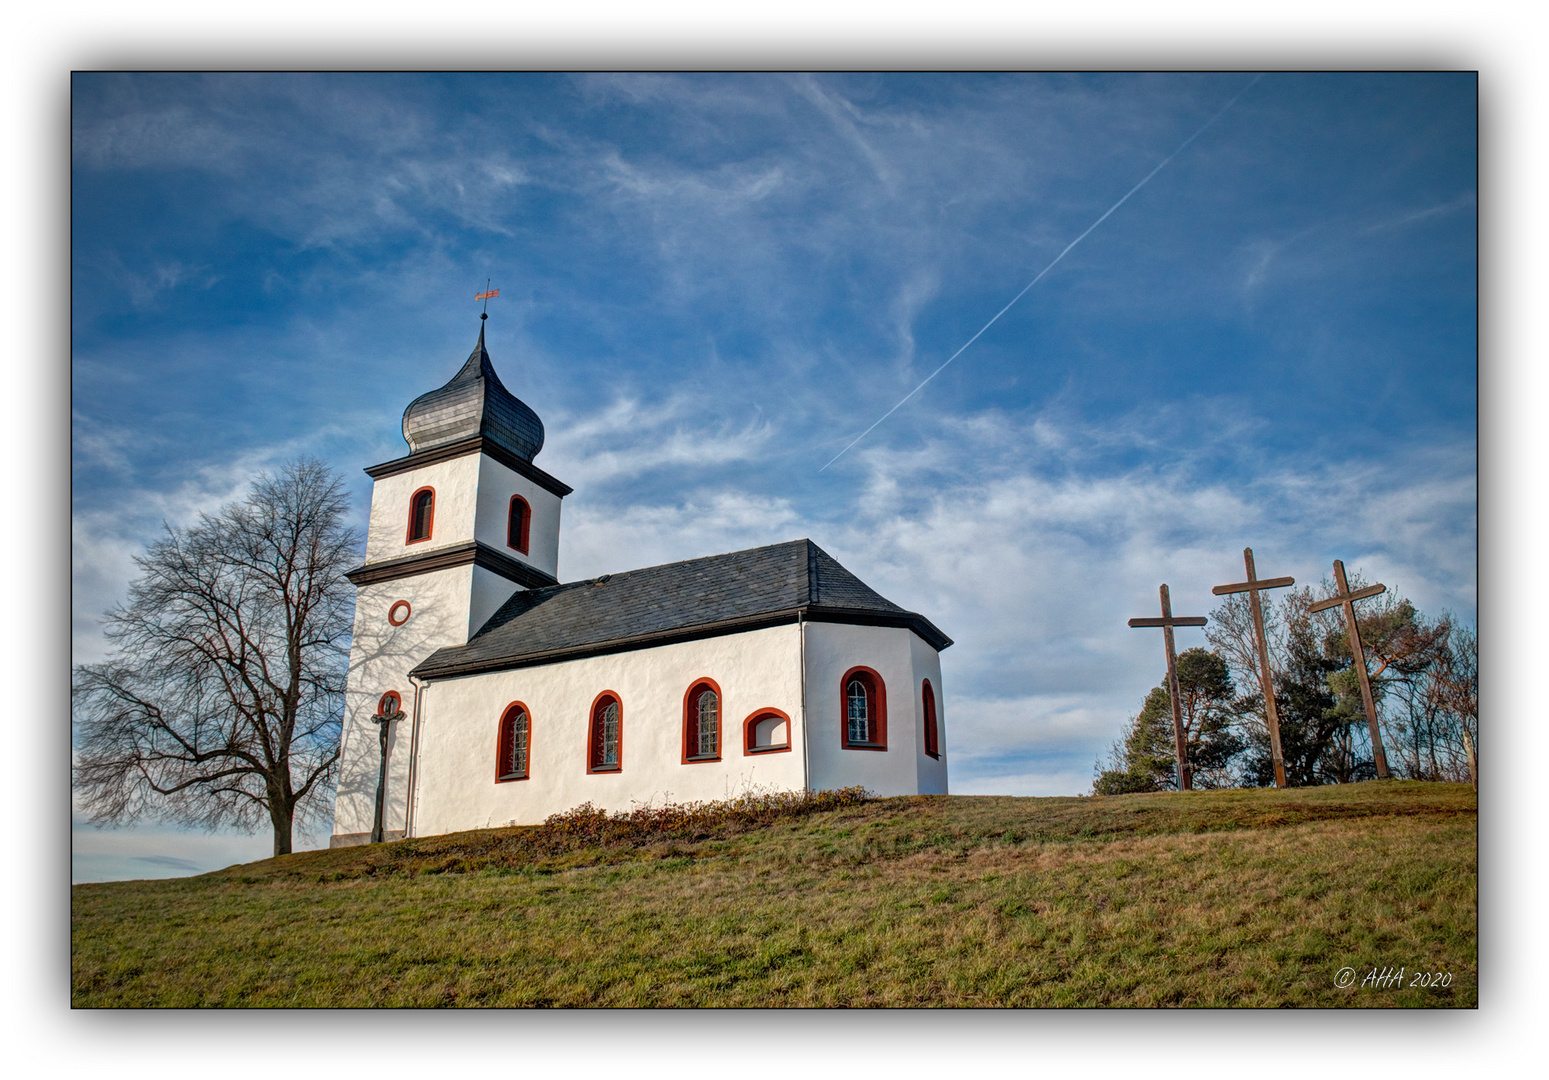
{"x":518,"y":523}
{"x":422,"y":513}
{"x":515,"y":736}
{"x":863,"y":709}
{"x":932,"y":738}
{"x":605,"y":749}
{"x":702,"y":722}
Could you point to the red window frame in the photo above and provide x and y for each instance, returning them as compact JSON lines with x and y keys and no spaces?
{"x":518,"y":524}
{"x":392,"y":611}
{"x":752,"y":722}
{"x":503,"y":743}
{"x":932,"y":734}
{"x":594,"y":731}
{"x":430,"y":518}
{"x":691,"y":755}
{"x":876,"y":709}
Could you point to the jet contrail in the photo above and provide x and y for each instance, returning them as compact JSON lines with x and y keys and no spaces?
{"x":1181,"y":147}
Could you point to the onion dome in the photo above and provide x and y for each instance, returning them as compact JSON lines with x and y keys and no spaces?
{"x":473,"y":404}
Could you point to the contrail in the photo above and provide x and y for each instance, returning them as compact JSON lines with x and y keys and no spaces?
{"x":1181,"y":147}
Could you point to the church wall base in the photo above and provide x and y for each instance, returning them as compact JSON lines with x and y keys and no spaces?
{"x":357,"y":839}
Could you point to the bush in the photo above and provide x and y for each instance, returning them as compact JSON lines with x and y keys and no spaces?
{"x":588,"y":824}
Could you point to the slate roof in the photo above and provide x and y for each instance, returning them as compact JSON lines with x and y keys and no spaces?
{"x":678,"y":601}
{"x":474,"y":403}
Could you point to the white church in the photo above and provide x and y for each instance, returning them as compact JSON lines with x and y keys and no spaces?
{"x":484,"y":692}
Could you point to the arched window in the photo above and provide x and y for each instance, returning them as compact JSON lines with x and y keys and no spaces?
{"x":515,"y":738}
{"x":422,"y":514}
{"x":605,"y":742}
{"x":702,"y":722}
{"x":928,"y":699}
{"x":863,"y":707}
{"x":768,"y":731}
{"x":518,"y":523}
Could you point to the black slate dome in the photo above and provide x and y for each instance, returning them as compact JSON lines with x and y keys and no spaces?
{"x":474,"y":403}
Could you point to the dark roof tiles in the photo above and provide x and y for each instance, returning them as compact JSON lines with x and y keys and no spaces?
{"x":672,"y":602}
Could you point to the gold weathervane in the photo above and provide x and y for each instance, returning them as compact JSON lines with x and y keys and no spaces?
{"x":486,"y":296}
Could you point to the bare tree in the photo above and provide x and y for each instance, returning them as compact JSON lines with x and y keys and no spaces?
{"x":1454,"y":692}
{"x":221,"y":704}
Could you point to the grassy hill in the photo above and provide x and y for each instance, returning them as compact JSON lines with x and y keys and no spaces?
{"x":1208,"y":898}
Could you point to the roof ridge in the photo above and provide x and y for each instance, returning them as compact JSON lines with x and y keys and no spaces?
{"x":697,"y":558}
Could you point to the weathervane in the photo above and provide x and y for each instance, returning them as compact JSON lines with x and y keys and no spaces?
{"x":1167,"y":622}
{"x":1271,"y":715}
{"x":486,"y":295}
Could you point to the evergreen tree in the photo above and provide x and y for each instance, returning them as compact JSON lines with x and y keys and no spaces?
{"x":1145,"y":759}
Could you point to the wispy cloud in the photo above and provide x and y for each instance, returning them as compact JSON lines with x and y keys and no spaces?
{"x":1466,"y":201}
{"x":630,"y":437}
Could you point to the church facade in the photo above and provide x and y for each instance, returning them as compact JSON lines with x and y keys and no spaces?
{"x":506,"y":696}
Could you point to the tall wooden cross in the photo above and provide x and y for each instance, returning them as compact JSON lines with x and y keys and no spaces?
{"x":1167,"y":622}
{"x":1253,"y":586}
{"x":1346,"y":599}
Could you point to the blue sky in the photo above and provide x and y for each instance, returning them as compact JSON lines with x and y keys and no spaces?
{"x":711,"y":284}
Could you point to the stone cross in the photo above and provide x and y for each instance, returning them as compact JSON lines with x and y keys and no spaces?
{"x":1346,"y":599}
{"x":390,"y":712}
{"x":1167,"y":622}
{"x":1253,"y":586}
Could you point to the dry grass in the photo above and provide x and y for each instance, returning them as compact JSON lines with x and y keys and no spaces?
{"x":1215,"y":898}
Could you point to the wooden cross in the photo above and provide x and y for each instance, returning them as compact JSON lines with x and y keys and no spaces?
{"x":1253,"y":586}
{"x":1167,"y":622}
{"x":1346,"y":599}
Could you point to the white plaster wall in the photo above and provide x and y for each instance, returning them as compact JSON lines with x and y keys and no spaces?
{"x":932,"y":771}
{"x":457,"y":486}
{"x":490,"y":590}
{"x":896,"y":655}
{"x":496,"y":486}
{"x":381,"y":656}
{"x":460,"y":719}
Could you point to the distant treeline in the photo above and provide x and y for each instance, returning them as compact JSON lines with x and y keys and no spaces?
{"x":1424,"y":676}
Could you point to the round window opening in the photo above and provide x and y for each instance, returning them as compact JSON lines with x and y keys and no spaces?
{"x":398,"y":614}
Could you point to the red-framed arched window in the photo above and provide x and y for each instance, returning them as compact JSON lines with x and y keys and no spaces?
{"x":928,"y":701}
{"x":605,"y":734}
{"x":513,"y":743}
{"x":767,"y":731}
{"x":422,"y":514}
{"x":702,"y":722}
{"x":863,"y":710}
{"x":518,"y":523}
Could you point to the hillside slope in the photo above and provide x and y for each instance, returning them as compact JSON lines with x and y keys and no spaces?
{"x":1207,"y":898}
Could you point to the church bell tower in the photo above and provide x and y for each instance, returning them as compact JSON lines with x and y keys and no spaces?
{"x":457,"y":526}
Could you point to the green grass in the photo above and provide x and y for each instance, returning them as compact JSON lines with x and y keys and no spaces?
{"x":1252,"y":898}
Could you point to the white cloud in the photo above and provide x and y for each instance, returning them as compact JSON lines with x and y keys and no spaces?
{"x":629,"y":437}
